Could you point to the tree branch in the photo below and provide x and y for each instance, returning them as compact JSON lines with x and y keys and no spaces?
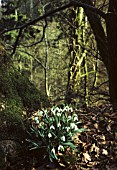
{"x":89,"y":7}
{"x":38,"y":61}
{"x":73,"y":3}
{"x":16,"y":42}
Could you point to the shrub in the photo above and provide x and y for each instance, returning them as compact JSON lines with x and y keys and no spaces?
{"x":53,"y":130}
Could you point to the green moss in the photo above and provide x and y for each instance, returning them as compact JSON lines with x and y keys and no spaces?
{"x":31,"y":97}
{"x":15,"y":86}
{"x":17,"y":93}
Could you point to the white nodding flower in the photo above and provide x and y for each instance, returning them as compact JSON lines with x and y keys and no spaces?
{"x":75,"y":128}
{"x":37,"y":121}
{"x":66,"y":108}
{"x":40,"y":113}
{"x":70,"y":109}
{"x":54,"y":110}
{"x":69,"y":117}
{"x":52,"y":127}
{"x":61,"y":148}
{"x":59,"y":125}
{"x":75,"y":117}
{"x":57,"y":109}
{"x":63,"y":138}
{"x":58,"y":114}
{"x":49,"y":135}
{"x":36,"y":118}
{"x":67,"y":128}
{"x":72,"y":125}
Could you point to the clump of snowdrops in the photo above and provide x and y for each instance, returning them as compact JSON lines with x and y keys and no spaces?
{"x":53,"y":130}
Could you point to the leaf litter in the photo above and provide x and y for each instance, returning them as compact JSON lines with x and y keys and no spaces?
{"x":97,"y":145}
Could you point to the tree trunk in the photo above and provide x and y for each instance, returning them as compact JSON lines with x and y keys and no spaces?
{"x":112,"y":47}
{"x":98,"y":31}
{"x":107,"y":47}
{"x":72,"y":73}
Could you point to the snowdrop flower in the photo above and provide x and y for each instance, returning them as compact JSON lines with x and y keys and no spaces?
{"x":58,"y":114}
{"x":72,"y":125}
{"x":54,"y":110}
{"x":75,"y":128}
{"x":37,"y":121}
{"x":70,"y":109}
{"x":59,"y":125}
{"x":63,"y":138}
{"x":36,"y":118}
{"x":69,"y":117}
{"x":49,"y":135}
{"x":60,"y":148}
{"x":66,"y":108}
{"x":57,"y":109}
{"x":40,"y":113}
{"x":52,"y":127}
{"x":75,"y":117}
{"x":68,"y":128}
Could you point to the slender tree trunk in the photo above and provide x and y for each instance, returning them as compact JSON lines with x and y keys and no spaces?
{"x":72,"y":73}
{"x":112,"y":47}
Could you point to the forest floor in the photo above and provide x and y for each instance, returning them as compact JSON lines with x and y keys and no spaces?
{"x":97,"y":145}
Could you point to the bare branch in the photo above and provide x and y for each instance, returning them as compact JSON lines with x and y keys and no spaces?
{"x":38,"y":61}
{"x":76,"y":3}
{"x":16,"y":42}
{"x":43,"y":34}
{"x":73,"y":3}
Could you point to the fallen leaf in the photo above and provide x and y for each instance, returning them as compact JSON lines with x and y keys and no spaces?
{"x":96,"y":125}
{"x":94,"y":148}
{"x":104,"y":152}
{"x":86,"y":156}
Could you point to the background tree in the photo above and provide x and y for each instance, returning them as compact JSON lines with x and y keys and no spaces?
{"x":37,"y":27}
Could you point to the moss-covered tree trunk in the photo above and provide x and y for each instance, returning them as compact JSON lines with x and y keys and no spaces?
{"x":77,"y":85}
{"x":73,"y":48}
